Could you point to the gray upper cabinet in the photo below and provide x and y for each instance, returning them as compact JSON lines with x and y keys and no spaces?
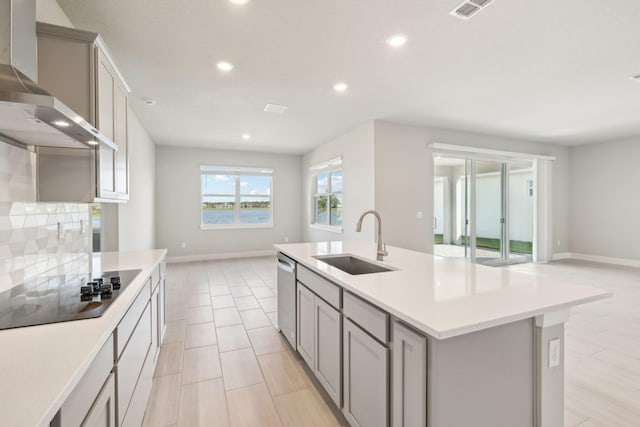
{"x":328,"y":347}
{"x":366,"y":378}
{"x":409,"y":373}
{"x":305,"y":324}
{"x":76,"y":67}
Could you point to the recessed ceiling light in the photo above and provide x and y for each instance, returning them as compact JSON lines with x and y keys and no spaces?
{"x":340,"y":87}
{"x":92,"y":142}
{"x":239,"y":2}
{"x":224,"y":66}
{"x":246,"y":136}
{"x":397,"y":40}
{"x":149,"y":101}
{"x":275,"y":108}
{"x":636,"y":77}
{"x":61,"y":123}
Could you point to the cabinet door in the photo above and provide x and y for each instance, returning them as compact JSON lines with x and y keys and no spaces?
{"x":366,"y":379}
{"x":328,"y":346}
{"x":121,"y":138}
{"x":305,"y":323}
{"x":103,"y":411}
{"x":105,"y":123}
{"x":162,"y":318}
{"x":409,"y":377}
{"x":155,"y":337}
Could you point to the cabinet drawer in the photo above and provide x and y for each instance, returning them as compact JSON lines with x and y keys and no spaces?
{"x":131,"y":362}
{"x":370,"y":318}
{"x":81,"y":399}
{"x":320,"y":286}
{"x":129,"y":321}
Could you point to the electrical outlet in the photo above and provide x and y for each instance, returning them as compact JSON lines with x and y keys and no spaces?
{"x":286,"y":239}
{"x":554,"y":353}
{"x":419,"y":215}
{"x":183,"y":245}
{"x":558,"y":243}
{"x":60,"y":230}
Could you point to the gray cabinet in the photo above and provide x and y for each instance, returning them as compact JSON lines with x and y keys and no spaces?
{"x":319,"y":340}
{"x":103,"y":412}
{"x":409,"y":373}
{"x":305,"y":323}
{"x":75,"y":66}
{"x":366,"y":378}
{"x":328,"y":349}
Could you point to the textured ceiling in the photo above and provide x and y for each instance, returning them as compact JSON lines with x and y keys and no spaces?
{"x":543,"y":70}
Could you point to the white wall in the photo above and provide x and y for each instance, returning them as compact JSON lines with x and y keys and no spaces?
{"x":137,"y":217}
{"x":357,"y":150}
{"x":404,"y":180}
{"x":50,"y":12}
{"x":178,"y":202}
{"x":605,"y":206}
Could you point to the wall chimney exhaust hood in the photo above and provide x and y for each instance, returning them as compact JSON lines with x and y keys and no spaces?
{"x":30,"y":115}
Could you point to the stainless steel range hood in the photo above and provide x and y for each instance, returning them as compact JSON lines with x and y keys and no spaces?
{"x":30,"y":115}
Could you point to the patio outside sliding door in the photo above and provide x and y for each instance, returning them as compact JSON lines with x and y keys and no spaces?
{"x":483,"y":209}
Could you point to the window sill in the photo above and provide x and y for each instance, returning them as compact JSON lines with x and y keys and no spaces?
{"x":233,"y":226}
{"x":329,"y":228}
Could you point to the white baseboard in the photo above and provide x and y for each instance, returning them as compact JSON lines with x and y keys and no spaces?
{"x":606,"y":260}
{"x":561,"y":255}
{"x":224,"y":255}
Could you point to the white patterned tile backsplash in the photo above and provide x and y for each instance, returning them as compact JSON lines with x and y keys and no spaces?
{"x":29,"y":240}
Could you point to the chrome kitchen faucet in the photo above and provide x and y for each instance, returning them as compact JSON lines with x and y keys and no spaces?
{"x":382,"y":248}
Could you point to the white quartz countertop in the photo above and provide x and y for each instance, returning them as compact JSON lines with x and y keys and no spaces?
{"x":40,"y":365}
{"x":444,"y":297}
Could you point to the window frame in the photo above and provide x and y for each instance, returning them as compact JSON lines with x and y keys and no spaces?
{"x":326,"y":167}
{"x":237,"y":172}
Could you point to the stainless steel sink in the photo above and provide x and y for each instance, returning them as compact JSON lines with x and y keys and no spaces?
{"x":352,"y":265}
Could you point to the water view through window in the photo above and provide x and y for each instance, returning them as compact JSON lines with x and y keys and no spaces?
{"x":236,"y":196}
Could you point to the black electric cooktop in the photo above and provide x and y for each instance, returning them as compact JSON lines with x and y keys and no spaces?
{"x":53,"y":299}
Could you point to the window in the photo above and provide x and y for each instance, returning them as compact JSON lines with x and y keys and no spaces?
{"x":327,"y":195}
{"x":234,"y":197}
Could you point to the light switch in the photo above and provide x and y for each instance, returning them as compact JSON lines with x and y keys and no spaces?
{"x":554,"y":353}
{"x":419,"y":215}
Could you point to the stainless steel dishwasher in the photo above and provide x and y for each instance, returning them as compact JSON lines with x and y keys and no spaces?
{"x":287,"y":298}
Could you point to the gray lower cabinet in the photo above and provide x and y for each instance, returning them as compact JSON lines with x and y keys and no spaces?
{"x":409,"y":373}
{"x":103,"y":412}
{"x":305,"y":323}
{"x":328,"y":349}
{"x":366,"y":378}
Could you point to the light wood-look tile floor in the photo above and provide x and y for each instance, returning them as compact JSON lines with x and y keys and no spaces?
{"x":602,"y":345}
{"x":224,"y":364}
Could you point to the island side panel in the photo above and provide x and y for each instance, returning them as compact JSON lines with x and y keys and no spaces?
{"x":483,"y":379}
{"x":549,"y":379}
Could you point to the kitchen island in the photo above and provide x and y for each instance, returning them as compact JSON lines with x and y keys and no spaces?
{"x":433,"y":341}
{"x":42,"y":367}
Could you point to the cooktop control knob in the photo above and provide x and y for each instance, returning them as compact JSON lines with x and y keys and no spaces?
{"x":115,"y":282}
{"x":95,"y":287}
{"x":105,"y":289}
{"x":86,"y":290}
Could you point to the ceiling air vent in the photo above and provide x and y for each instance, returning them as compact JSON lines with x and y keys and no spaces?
{"x":636,"y":77}
{"x":469,"y":8}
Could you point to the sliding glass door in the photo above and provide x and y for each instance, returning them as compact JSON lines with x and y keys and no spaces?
{"x":483,"y":209}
